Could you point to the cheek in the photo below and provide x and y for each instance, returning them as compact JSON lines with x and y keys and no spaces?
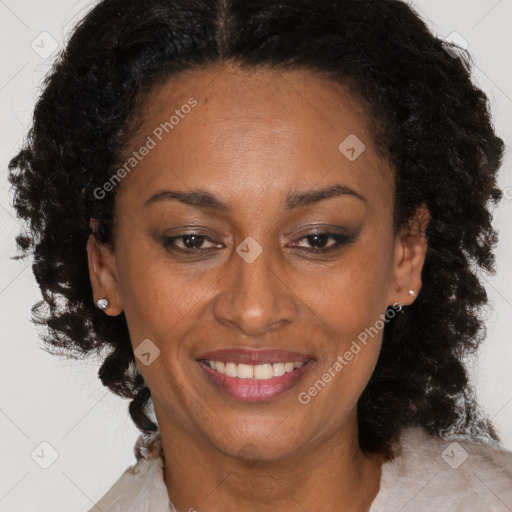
{"x":353,"y":305}
{"x":354,"y":293}
{"x":159,"y":298}
{"x":353,"y":309}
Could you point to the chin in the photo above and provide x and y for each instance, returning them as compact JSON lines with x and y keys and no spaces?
{"x":257,"y":443}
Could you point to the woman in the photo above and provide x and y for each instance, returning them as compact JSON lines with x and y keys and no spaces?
{"x":284,"y":207}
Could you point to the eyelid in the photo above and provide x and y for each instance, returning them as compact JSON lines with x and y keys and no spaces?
{"x":319,"y":228}
{"x":308,"y":231}
{"x":341,"y":237}
{"x":169,"y":241}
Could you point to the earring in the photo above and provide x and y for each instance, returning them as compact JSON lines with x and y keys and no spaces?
{"x":398,"y":305}
{"x":411,"y":292}
{"x":102,"y":304}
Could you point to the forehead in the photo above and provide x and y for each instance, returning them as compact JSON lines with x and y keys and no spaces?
{"x":229,"y":129}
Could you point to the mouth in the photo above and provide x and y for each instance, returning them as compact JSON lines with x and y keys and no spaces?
{"x":254,"y":375}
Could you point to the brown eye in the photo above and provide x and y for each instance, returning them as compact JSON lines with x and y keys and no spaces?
{"x":190,"y":242}
{"x":319,"y":241}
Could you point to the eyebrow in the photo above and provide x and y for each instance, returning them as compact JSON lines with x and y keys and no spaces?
{"x":294,"y":200}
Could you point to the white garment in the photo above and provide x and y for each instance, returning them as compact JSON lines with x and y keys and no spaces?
{"x":428,"y":475}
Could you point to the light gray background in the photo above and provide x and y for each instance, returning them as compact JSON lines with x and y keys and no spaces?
{"x":48,"y":399}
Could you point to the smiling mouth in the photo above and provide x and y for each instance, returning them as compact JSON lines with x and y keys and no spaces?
{"x":254,"y":382}
{"x":263,"y":371}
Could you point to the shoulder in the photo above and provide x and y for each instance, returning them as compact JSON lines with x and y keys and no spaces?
{"x":445,"y":475}
{"x":141,"y":487}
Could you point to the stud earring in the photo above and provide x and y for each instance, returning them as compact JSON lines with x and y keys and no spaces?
{"x":102,"y":304}
{"x":411,"y":292}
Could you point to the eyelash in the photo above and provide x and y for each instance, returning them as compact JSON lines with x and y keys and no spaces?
{"x":337,"y":237}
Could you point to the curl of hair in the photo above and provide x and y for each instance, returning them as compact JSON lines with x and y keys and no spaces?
{"x":427,"y":117}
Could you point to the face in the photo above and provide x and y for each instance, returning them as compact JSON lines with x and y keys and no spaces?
{"x":257,"y":226}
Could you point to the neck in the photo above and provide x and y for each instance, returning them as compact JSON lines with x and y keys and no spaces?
{"x":330,"y":474}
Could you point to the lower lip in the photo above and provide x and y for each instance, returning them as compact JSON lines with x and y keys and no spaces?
{"x":255,"y":390}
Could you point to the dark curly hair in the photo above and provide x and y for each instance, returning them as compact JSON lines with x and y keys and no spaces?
{"x":428,"y":118}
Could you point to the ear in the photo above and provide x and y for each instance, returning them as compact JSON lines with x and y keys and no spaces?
{"x":410,"y":251}
{"x":103,"y":273}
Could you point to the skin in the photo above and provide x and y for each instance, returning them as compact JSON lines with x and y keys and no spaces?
{"x":253,"y":137}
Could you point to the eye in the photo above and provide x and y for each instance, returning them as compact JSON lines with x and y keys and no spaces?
{"x":319,"y":241}
{"x":190,"y":242}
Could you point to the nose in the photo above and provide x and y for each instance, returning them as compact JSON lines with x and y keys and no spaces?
{"x":255,"y":296}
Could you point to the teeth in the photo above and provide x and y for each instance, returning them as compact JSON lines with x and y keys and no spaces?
{"x":278,"y":369}
{"x":260,"y":371}
{"x":231,"y":369}
{"x":263,"y":371}
{"x":245,"y":371}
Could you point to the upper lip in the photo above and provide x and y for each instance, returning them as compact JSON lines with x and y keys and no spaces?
{"x":254,"y":356}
